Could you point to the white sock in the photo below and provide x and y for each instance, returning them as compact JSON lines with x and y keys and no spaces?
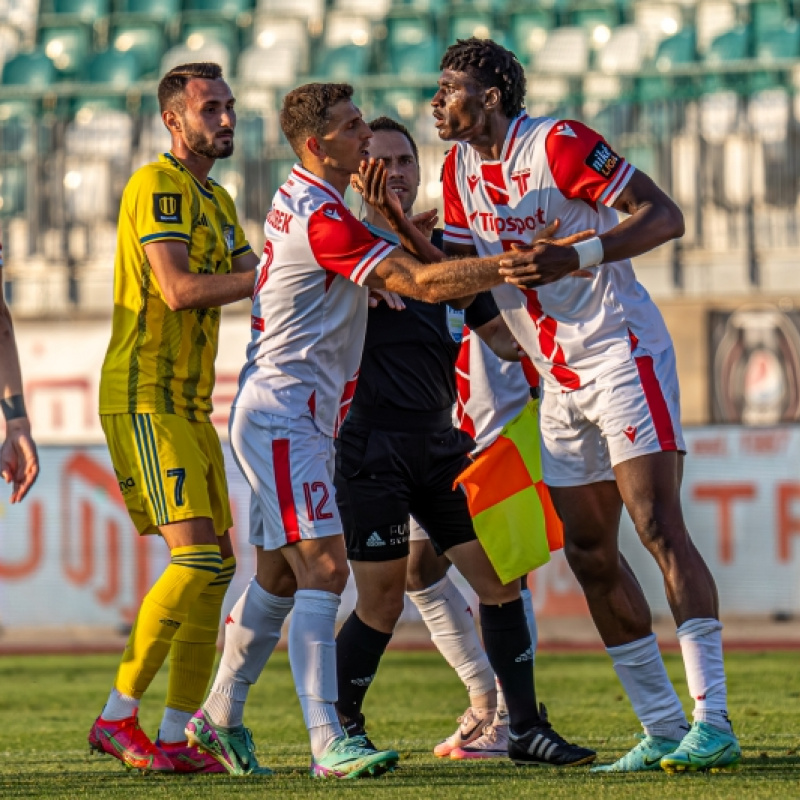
{"x":119,"y":706}
{"x":530,"y":617}
{"x":312,"y":656}
{"x":701,"y":646}
{"x":173,"y":725}
{"x":641,"y":672}
{"x":250,"y":638}
{"x":447,"y":616}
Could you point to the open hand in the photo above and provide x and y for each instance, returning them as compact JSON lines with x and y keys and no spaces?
{"x":375,"y":191}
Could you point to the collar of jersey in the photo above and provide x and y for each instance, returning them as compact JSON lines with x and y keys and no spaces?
{"x":387,"y":236}
{"x":314,"y":180}
{"x":170,"y":159}
{"x":511,"y":135}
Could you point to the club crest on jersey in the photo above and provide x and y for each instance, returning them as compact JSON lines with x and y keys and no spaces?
{"x":229,"y":234}
{"x":167,"y":208}
{"x":455,"y":323}
{"x":603,"y":160}
{"x":472,"y":180}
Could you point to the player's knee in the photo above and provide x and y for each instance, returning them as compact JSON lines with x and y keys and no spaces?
{"x":382,"y":616}
{"x":659,"y":536}
{"x":592,"y":564}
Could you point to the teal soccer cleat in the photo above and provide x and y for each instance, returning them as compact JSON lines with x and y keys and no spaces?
{"x":704,"y":748}
{"x":232,"y":747}
{"x":350,"y":757}
{"x":644,"y":757}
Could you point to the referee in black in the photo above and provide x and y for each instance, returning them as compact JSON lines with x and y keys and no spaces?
{"x":398,"y":454}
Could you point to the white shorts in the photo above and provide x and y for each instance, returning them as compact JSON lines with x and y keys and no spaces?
{"x":631,"y":410}
{"x":289,"y":466}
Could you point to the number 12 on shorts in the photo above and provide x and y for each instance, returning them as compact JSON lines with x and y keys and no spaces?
{"x":316,"y":511}
{"x":179,"y":473}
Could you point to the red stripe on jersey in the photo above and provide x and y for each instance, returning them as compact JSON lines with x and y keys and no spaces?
{"x":312,"y":403}
{"x":383,"y":249}
{"x":634,"y":339}
{"x":513,"y":138}
{"x":283,"y":486}
{"x":463,"y":389}
{"x":551,"y":350}
{"x":529,"y":371}
{"x":284,"y":192}
{"x":307,"y":177}
{"x":454,"y":214}
{"x":659,"y":410}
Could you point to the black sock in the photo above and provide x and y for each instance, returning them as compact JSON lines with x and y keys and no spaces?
{"x":358,"y":652}
{"x":508,"y":645}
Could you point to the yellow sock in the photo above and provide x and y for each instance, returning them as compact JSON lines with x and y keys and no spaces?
{"x":164,"y":609}
{"x":191,"y":658}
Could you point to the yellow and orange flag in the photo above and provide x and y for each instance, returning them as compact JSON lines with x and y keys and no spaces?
{"x":511,"y":508}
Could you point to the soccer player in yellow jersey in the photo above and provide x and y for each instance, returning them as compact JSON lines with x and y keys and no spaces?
{"x":181,"y":254}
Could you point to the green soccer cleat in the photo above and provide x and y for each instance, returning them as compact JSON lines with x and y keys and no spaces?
{"x":645,"y":756}
{"x":232,"y":747}
{"x":704,"y":748}
{"x":349,"y":757}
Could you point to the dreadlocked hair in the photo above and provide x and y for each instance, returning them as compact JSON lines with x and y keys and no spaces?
{"x":491,"y":65}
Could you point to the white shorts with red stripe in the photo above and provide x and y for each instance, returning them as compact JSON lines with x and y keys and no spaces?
{"x":289,"y":465}
{"x":631,"y":410}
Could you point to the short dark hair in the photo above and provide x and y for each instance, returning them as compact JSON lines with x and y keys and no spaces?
{"x":389,"y":124}
{"x":491,"y":65}
{"x":172,"y":87}
{"x":306,"y":111}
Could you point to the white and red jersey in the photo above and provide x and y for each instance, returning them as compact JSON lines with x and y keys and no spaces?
{"x":576,"y":328}
{"x":491,"y":391}
{"x":309,"y":305}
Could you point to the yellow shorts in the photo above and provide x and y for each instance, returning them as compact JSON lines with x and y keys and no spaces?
{"x":169,"y":469}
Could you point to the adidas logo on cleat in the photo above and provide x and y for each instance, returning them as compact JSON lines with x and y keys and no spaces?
{"x":363,"y":681}
{"x":375,"y":540}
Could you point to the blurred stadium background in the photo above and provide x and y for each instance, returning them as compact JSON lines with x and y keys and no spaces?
{"x":701,"y":94}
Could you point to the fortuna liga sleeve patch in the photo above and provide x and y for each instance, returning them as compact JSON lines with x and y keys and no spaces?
{"x":167,"y":208}
{"x":603,"y":160}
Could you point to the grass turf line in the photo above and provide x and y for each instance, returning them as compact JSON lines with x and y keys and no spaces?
{"x":48,"y":703}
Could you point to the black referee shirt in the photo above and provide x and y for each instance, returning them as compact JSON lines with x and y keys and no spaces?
{"x":409,"y":356}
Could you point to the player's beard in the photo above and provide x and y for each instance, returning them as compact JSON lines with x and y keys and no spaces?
{"x":203,"y":145}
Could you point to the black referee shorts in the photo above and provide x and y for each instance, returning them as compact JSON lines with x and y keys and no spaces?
{"x":383,"y":476}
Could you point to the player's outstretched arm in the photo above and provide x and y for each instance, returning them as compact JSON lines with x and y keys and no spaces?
{"x":654,"y":219}
{"x":183,"y":289}
{"x":19,"y":461}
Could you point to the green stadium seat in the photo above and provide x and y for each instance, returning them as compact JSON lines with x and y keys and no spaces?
{"x":779,"y":43}
{"x":598,"y":22}
{"x":67,"y":46}
{"x":411,"y":46}
{"x":197,"y":34}
{"x":224,"y":8}
{"x":146,"y":40}
{"x":731,"y":46}
{"x":151,"y":9}
{"x":278,"y":65}
{"x":113,"y":68}
{"x":420,"y":6}
{"x":285,"y":33}
{"x":466,"y":23}
{"x":528,"y":31}
{"x":654,"y":89}
{"x":345,"y":63}
{"x":12,"y":190}
{"x":87,"y":10}
{"x":767,"y":16}
{"x":677,"y":50}
{"x":33,"y":69}
{"x":400,"y":103}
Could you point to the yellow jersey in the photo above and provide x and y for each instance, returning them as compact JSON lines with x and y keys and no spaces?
{"x":159,"y":360}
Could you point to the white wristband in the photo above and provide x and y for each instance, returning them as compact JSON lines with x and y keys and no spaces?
{"x":590,"y":252}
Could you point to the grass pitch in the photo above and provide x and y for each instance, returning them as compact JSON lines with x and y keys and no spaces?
{"x":48,"y":703}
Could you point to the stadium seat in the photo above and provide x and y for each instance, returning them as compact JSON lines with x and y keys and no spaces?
{"x":598,"y":22}
{"x":312,"y":11}
{"x":528,"y":32}
{"x":653,"y":89}
{"x":285,"y":33}
{"x":9,"y":42}
{"x":346,"y":63}
{"x":151,"y":9}
{"x":344,"y":29}
{"x":12,"y":190}
{"x":421,"y":6}
{"x":277,"y":65}
{"x":767,"y":15}
{"x":33,"y":69}
{"x":778,"y":43}
{"x":375,"y":9}
{"x":676,"y":50}
{"x":656,"y":21}
{"x":624,"y":52}
{"x":114,"y":68}
{"x":730,"y":46}
{"x":225,"y":8}
{"x":87,"y":10}
{"x":197,"y":35}
{"x":713,"y":18}
{"x":411,"y":46}
{"x":146,"y":40}
{"x":462,"y":24}
{"x":565,"y":52}
{"x":399,"y":103}
{"x":197,"y":50}
{"x":68,"y":46}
